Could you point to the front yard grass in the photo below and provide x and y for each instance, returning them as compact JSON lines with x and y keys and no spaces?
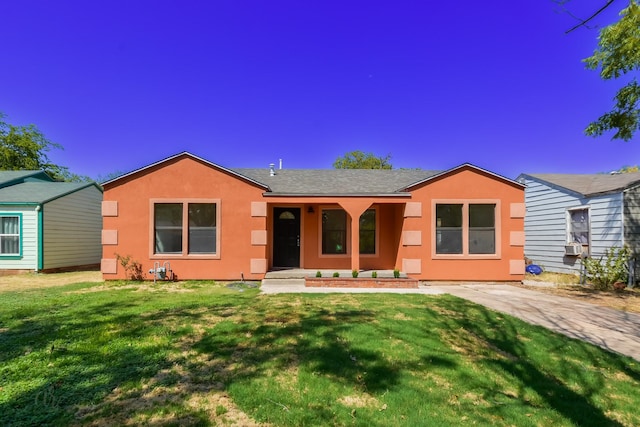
{"x":203,"y":354}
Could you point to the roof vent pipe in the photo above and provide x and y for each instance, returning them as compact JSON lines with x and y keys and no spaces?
{"x":272,"y":170}
{"x":280,"y":164}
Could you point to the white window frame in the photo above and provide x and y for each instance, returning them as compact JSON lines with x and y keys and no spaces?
{"x":569,"y":228}
{"x":17,"y":255}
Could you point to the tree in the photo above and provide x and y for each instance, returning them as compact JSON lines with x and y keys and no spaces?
{"x":26,"y":148}
{"x":618,"y":54}
{"x":359,"y":160}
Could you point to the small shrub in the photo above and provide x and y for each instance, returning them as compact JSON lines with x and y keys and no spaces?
{"x":354,"y":273}
{"x":611,"y":267}
{"x":318,"y":273}
{"x":336,"y":274}
{"x":374,"y":274}
{"x":396,"y":273}
{"x":221,"y":410}
{"x":132,"y":268}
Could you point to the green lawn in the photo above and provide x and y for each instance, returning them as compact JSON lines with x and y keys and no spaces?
{"x":202,"y":354}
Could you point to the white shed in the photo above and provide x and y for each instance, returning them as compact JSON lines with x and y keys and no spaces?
{"x":47,"y":225}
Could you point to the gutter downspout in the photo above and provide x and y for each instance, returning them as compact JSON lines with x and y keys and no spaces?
{"x":40,"y":239}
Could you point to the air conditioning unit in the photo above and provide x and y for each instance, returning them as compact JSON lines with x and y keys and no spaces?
{"x":573,"y":249}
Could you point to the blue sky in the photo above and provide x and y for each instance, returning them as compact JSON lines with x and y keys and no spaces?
{"x":122,"y":84}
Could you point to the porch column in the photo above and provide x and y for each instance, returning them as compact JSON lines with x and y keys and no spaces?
{"x":355,"y":208}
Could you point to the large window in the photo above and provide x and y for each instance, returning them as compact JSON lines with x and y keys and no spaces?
{"x":10,"y":235}
{"x":579,"y":226}
{"x":334,"y":231}
{"x":368,"y":232}
{"x":465,"y":229}
{"x":185,"y":228}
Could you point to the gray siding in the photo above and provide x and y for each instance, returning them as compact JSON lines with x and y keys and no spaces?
{"x":72,"y":229}
{"x":632,"y":219}
{"x":29,"y":239}
{"x":546,"y":224}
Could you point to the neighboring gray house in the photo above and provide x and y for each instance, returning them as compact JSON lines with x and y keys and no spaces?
{"x":568,"y":215}
{"x":48,"y":225}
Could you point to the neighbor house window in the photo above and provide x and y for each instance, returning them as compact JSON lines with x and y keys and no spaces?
{"x":334,"y":231}
{"x":185,"y":228}
{"x":10,"y":235}
{"x":465,"y":229}
{"x":368,"y":232}
{"x":579,"y":226}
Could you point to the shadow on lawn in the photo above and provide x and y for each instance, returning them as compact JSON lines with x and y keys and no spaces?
{"x":87,"y":379}
{"x":519,"y":361}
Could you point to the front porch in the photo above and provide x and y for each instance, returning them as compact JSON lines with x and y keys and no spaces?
{"x":301,"y":273}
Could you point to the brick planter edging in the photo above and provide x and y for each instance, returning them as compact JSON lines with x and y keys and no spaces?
{"x":358,"y":282}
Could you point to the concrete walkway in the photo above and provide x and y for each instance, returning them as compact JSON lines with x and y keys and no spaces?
{"x":614,"y":330}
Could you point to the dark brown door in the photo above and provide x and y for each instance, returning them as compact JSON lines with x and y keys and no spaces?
{"x":286,"y":237}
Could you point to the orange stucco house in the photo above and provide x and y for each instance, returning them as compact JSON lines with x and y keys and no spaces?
{"x":212,"y":222}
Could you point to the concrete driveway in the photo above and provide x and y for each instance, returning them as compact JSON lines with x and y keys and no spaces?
{"x":614,"y":330}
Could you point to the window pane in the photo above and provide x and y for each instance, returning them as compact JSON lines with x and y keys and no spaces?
{"x":449,"y":229}
{"x":10,"y":225}
{"x":579,"y":226}
{"x":482,"y":231}
{"x":368,"y":232}
{"x":168,"y":228}
{"x":334,"y":231}
{"x":482,"y":215}
{"x":202,"y":228}
{"x":9,"y":245}
{"x":482,"y":241}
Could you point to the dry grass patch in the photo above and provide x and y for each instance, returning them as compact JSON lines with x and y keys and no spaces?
{"x":18,"y":282}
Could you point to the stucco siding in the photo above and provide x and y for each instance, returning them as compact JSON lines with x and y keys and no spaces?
{"x":72,"y":229}
{"x":29,"y":239}
{"x":546,"y":224}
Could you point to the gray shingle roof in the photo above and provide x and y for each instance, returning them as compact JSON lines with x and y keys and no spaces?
{"x":336,"y":181}
{"x":592,"y":184}
{"x":38,"y":192}
{"x":11,"y":177}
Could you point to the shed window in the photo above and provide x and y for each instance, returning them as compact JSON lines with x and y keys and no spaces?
{"x":579,"y":226}
{"x":10,"y":235}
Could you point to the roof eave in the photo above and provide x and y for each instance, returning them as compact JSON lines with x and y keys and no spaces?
{"x":186,"y":153}
{"x":341,"y":195}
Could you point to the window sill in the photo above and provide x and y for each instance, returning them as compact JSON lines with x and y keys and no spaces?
{"x":183,"y":256}
{"x":465,"y":256}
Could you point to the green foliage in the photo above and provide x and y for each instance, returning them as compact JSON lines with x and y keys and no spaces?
{"x":26,"y":148}
{"x":396,"y":273}
{"x":611,"y":267}
{"x":132,"y":268}
{"x":354,"y":273}
{"x":361,"y":160}
{"x":374,"y":274}
{"x":618,"y":53}
{"x":336,"y":274}
{"x":318,"y":273}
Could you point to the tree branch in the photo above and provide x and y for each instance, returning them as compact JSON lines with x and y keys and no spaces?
{"x":585,"y":21}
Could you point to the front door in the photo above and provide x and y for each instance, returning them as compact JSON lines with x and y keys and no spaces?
{"x":286,"y":237}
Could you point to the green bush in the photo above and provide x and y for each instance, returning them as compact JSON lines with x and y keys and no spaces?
{"x":610,"y":268}
{"x":396,"y":273}
{"x":318,"y":273}
{"x":354,"y":273}
{"x":336,"y":274}
{"x":374,"y":274}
